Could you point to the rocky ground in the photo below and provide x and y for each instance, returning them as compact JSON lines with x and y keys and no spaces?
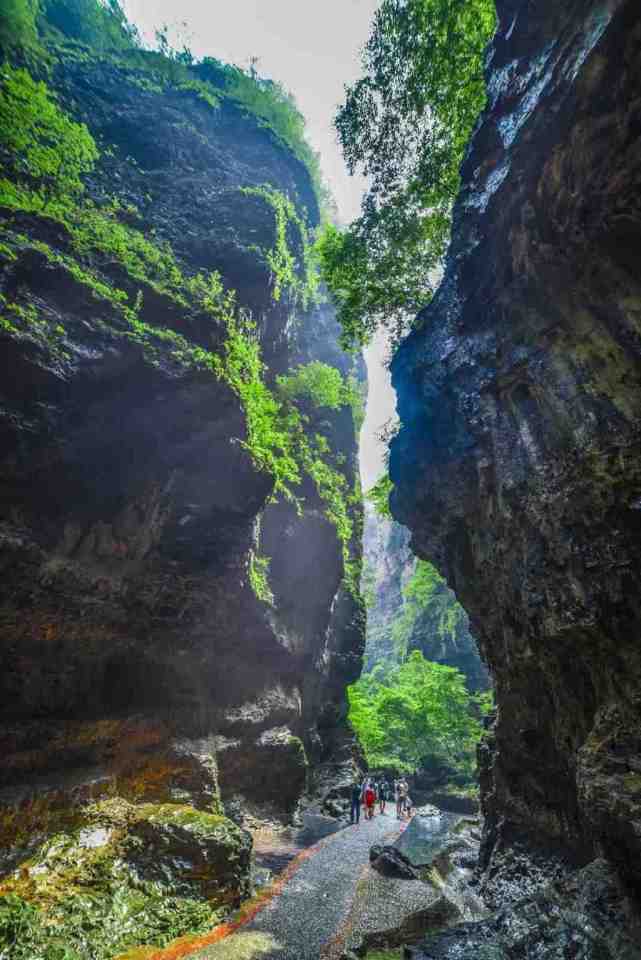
{"x":338,"y":897}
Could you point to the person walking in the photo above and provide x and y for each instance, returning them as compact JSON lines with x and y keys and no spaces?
{"x":402,"y":795}
{"x":355,"y":809}
{"x":382,"y":796}
{"x":397,"y":798}
{"x":370,"y":799}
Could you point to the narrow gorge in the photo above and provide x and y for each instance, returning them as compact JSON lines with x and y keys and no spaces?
{"x":210,"y":637}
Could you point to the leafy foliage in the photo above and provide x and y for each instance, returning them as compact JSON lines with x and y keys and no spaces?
{"x":41,"y":146}
{"x":317,"y":382}
{"x":258,"y":578}
{"x":18,"y":23}
{"x":379,"y":495}
{"x":101,"y":25}
{"x":413,"y":714}
{"x":405,"y":124}
{"x":293,"y":270}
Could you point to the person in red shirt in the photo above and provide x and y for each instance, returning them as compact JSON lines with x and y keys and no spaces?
{"x":370,"y":799}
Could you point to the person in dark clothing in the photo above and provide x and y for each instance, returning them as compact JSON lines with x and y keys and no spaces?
{"x":355,"y":811}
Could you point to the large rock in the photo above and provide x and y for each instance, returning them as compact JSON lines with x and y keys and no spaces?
{"x":586,"y":918}
{"x":204,"y":848}
{"x":517,"y":466}
{"x":425,"y":838}
{"x":124,"y":874}
{"x":391,"y":863}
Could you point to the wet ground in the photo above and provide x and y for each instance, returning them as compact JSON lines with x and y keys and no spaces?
{"x":304,"y":920}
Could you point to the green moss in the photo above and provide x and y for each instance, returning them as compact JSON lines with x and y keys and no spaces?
{"x":197,"y":821}
{"x":79,"y":898}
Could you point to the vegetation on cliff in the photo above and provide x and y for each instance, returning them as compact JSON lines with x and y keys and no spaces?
{"x":405,"y":124}
{"x":46,"y":155}
{"x":33,"y":28}
{"x":422,"y":592}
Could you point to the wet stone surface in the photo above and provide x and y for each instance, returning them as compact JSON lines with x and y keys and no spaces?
{"x":298,"y":923}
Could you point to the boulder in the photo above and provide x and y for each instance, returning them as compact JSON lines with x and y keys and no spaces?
{"x":391,"y":863}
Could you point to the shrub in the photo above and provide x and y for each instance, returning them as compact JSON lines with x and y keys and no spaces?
{"x":102,"y":25}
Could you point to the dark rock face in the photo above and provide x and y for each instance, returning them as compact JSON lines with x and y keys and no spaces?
{"x":131,"y":642}
{"x":517,"y":467}
{"x":585,"y":917}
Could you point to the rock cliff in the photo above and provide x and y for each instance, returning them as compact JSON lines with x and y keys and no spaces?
{"x":173,"y":629}
{"x":517,"y":466}
{"x":439,"y":627}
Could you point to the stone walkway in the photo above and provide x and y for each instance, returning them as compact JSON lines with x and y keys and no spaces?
{"x":312,"y":906}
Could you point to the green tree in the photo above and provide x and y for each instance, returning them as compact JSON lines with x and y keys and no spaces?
{"x":413,"y":713}
{"x":405,"y":124}
{"x":317,"y":382}
{"x":39,"y":144}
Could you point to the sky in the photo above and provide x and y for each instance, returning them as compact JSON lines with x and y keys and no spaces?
{"x":313,"y":50}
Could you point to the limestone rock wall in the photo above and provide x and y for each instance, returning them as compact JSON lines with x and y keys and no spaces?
{"x":133,"y":648}
{"x":517,"y":467}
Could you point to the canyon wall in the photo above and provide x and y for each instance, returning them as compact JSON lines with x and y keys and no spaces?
{"x":137,"y":659}
{"x":517,"y":467}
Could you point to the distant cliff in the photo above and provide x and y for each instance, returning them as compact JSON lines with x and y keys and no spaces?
{"x":397,"y":624}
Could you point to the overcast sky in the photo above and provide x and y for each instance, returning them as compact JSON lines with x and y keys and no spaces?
{"x":312,"y":48}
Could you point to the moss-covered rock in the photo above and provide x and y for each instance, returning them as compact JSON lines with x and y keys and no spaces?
{"x":203,"y":849}
{"x":130,"y":874}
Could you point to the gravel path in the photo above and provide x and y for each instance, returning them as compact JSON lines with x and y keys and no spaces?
{"x":313,"y":904}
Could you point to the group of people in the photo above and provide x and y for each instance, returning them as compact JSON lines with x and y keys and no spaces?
{"x":371,"y":792}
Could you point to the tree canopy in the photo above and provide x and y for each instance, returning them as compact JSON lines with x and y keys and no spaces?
{"x":414,"y":713}
{"x":405,"y":125}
